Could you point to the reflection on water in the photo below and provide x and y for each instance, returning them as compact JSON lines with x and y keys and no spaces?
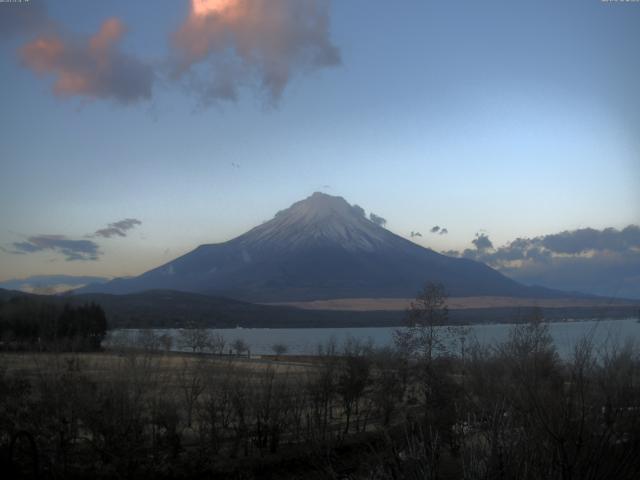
{"x":302,"y":341}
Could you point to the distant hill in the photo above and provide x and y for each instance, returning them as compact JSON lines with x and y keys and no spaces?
{"x":7,"y":294}
{"x":166,"y":308}
{"x":50,"y":284}
{"x":173,"y":309}
{"x":320,"y":248}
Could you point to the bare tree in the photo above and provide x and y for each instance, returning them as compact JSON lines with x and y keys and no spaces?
{"x":166,"y":342}
{"x":196,"y":339}
{"x":217,"y":343}
{"x":215,"y":411}
{"x":191,"y":381}
{"x":427,"y":313}
{"x":389,"y":383}
{"x":354,"y":378}
{"x":279,"y":349}
{"x":148,"y":340}
{"x":240,"y":346}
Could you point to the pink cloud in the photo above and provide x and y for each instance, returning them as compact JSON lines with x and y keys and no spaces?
{"x":247,"y":40}
{"x":90,"y":67}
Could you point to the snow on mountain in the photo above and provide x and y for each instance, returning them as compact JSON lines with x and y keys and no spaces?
{"x":318,"y":220}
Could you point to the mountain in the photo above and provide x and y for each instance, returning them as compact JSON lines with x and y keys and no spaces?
{"x":319,"y":248}
{"x":50,"y":284}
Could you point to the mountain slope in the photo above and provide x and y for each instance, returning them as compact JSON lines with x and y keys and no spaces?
{"x":319,"y":248}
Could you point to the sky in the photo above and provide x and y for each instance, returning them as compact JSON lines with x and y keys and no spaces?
{"x":191,"y":122}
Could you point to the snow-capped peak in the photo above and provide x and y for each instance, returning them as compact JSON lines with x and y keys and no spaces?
{"x":320,"y":219}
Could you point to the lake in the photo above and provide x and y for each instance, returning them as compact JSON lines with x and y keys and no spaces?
{"x":305,"y":341}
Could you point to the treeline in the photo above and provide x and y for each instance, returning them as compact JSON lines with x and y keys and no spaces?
{"x":29,"y":323}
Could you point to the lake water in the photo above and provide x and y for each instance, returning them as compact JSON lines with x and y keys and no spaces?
{"x":304,"y":341}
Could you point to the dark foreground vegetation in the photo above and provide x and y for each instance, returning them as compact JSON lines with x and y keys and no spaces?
{"x":32,"y":323}
{"x":426,"y":409}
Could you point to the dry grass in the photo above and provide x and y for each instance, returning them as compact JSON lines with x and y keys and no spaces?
{"x":108,"y":365}
{"x":454,"y":303}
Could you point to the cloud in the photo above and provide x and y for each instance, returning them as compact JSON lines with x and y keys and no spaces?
{"x":221,"y":47}
{"x":71,"y":249}
{"x":602,"y":262}
{"x":482,"y":242}
{"x":244,"y":42}
{"x":358,"y":210}
{"x":91,"y":67}
{"x":377,"y":219}
{"x":415,"y":234}
{"x":586,"y":239}
{"x":439,"y":230}
{"x":117,"y":228}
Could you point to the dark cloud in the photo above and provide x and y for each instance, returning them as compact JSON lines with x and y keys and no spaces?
{"x":240,"y":42}
{"x":602,"y":262}
{"x":71,"y":249}
{"x":415,"y":234}
{"x":25,"y":247}
{"x":90,"y":67}
{"x":117,"y":228}
{"x":589,"y":239}
{"x":377,"y":219}
{"x":439,"y":230}
{"x":471,"y":253}
{"x":482,"y":242}
{"x":358,"y":210}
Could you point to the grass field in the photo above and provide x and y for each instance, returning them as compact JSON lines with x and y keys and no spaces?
{"x":456,"y":303}
{"x":106,"y":365}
